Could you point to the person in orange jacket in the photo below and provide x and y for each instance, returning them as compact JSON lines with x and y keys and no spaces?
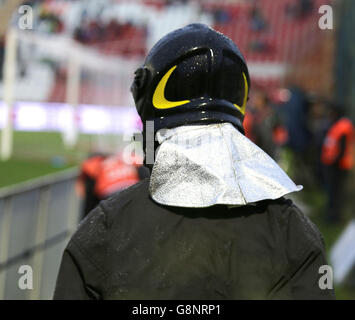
{"x":101,"y":175}
{"x":337,"y":157}
{"x":85,"y":183}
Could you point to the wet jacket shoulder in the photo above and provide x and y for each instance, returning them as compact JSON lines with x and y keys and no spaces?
{"x":130,"y":247}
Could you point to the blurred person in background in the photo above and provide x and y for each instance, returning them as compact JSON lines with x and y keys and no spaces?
{"x":300,"y":8}
{"x":85,"y":184}
{"x":49,"y":22}
{"x":262,"y":124}
{"x":257,"y":20}
{"x":101,"y":175}
{"x":2,"y":55}
{"x":337,"y":157}
{"x":295,"y":115}
{"x":211,"y":222}
{"x":221,"y":15}
{"x":319,"y":124}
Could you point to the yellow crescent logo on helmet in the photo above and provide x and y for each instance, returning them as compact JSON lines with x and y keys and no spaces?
{"x":242,"y":108}
{"x":159,"y":100}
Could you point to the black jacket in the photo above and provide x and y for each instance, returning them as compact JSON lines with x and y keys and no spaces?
{"x":133,"y":248}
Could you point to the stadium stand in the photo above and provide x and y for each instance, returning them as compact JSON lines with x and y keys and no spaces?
{"x":267,"y":33}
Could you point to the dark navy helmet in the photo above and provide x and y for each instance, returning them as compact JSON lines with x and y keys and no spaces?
{"x":193,"y":75}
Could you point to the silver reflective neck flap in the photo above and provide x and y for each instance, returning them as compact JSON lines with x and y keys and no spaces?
{"x":200,"y":166}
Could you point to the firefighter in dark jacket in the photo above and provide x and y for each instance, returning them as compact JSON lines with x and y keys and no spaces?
{"x":211,"y":222}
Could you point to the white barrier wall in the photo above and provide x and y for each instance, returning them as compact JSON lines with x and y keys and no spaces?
{"x":36,"y":220}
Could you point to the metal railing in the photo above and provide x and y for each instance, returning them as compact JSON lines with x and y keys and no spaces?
{"x":36,"y":220}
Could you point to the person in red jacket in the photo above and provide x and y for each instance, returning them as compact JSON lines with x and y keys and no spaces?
{"x":337,"y":157}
